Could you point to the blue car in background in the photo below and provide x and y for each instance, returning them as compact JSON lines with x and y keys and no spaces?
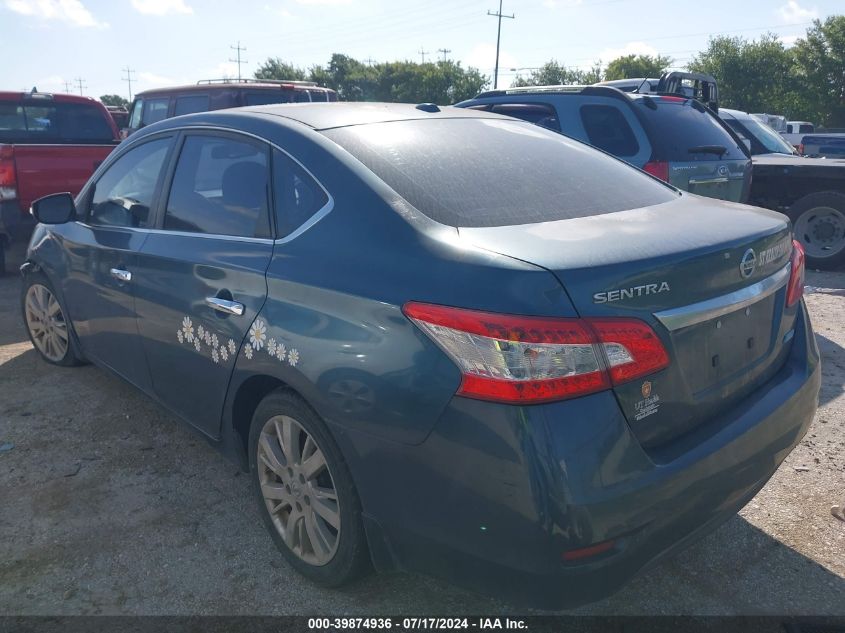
{"x":438,"y":339}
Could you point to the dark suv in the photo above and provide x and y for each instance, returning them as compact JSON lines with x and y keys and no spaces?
{"x":672,"y":137}
{"x":216,"y":94}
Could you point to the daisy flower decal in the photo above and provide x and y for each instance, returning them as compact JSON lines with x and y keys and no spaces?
{"x":280,"y":352}
{"x":232,"y":347}
{"x":257,"y":334}
{"x":248,"y":352}
{"x":224,"y":353}
{"x":214,"y":342}
{"x":214,"y":355}
{"x":271,"y":346}
{"x":188,"y":329}
{"x":197,"y":343}
{"x":200,"y":332}
{"x":180,"y":336}
{"x":207,"y":337}
{"x":293,"y":358}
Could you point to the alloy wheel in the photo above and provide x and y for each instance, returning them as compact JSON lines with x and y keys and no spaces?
{"x":298,"y":489}
{"x":46,"y":322}
{"x":821,"y":231}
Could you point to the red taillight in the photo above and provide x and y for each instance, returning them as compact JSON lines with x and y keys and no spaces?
{"x":588,"y":552}
{"x":8,"y":176}
{"x":800,"y":148}
{"x":795,"y":289}
{"x":520,"y":359}
{"x":658,"y":169}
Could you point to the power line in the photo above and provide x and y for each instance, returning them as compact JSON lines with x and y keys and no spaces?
{"x":238,"y":61}
{"x":369,"y":61}
{"x":128,"y":79}
{"x":67,"y":85}
{"x":445,"y":52}
{"x":79,"y":82}
{"x":498,"y":15}
{"x":422,"y":53}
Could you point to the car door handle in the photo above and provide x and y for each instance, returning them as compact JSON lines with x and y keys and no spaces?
{"x":226,"y":306}
{"x":121,"y":275}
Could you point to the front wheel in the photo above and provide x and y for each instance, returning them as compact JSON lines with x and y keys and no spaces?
{"x":305,"y":491}
{"x":819,"y":221}
{"x":46,"y":322}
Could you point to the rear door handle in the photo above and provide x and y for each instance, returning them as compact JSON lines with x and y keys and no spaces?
{"x":121,"y":275}
{"x":225,"y":306}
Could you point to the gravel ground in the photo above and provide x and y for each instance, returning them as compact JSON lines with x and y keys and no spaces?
{"x":109,"y":506}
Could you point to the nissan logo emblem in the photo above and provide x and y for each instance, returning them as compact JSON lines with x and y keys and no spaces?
{"x":723,"y":170}
{"x":747,"y":263}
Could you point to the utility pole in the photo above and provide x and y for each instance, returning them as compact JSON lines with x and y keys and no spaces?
{"x":67,"y":85}
{"x":370,"y":61}
{"x":79,"y":81}
{"x":238,"y":61}
{"x":423,"y":53}
{"x":128,"y":79}
{"x":499,"y":15}
{"x":445,"y":52}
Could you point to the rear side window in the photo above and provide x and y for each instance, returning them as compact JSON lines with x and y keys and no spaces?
{"x":681,"y":132}
{"x":536,"y":113}
{"x":495,"y":172}
{"x":124,"y":193}
{"x":264,"y":97}
{"x":219,"y":187}
{"x":607,"y":129}
{"x":154,"y":110}
{"x":805,"y":129}
{"x":190,"y":104}
{"x":297,"y":196}
{"x":52,"y":122}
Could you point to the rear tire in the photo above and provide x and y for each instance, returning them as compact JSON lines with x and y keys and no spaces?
{"x":49,"y":329}
{"x":305,"y":492}
{"x":819,"y":223}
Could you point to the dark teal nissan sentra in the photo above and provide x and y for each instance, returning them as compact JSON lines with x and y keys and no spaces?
{"x":438,"y":339}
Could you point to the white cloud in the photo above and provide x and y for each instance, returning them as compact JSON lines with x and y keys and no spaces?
{"x":794,"y":13}
{"x":151,"y":80}
{"x":789,"y":40}
{"x":69,"y":11}
{"x":223,"y":70}
{"x":325,"y":2}
{"x":631,"y":48}
{"x":483,"y":57}
{"x":161,"y":7}
{"x":53,"y":83}
{"x":280,"y":11}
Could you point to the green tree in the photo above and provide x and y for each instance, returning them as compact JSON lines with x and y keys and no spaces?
{"x":633,"y":66}
{"x":276,"y":68}
{"x":114,"y":100}
{"x":553,"y":73}
{"x":753,"y":76}
{"x":820,"y":62}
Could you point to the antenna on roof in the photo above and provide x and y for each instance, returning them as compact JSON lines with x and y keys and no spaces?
{"x":644,"y":82}
{"x":34,"y":90}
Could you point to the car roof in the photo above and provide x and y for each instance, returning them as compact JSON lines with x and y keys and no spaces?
{"x":46,"y":97}
{"x":234,"y":85}
{"x":323,"y":116}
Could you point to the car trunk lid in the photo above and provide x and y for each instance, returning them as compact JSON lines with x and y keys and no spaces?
{"x":710,"y":279}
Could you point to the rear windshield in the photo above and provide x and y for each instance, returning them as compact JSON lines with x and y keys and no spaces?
{"x":764,"y":140}
{"x":680,"y":131}
{"x":490,"y":172}
{"x":53,"y":123}
{"x":265,"y":97}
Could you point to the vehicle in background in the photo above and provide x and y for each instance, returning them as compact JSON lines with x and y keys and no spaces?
{"x":830,"y":145}
{"x":775,"y":121}
{"x":48,"y":143}
{"x":155,"y":105}
{"x":683,"y":84}
{"x":795,"y":131}
{"x":674,"y":138}
{"x":438,"y":339}
{"x":120,"y":115}
{"x":761,"y":139}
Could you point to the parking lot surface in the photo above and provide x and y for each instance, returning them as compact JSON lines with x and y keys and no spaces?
{"x":109,"y":505}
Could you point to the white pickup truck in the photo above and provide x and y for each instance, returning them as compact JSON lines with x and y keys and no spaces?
{"x":795,"y":131}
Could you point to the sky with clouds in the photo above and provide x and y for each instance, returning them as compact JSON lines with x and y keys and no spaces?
{"x":47,"y":43}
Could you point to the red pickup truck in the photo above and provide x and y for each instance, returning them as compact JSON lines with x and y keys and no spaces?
{"x":48,"y":144}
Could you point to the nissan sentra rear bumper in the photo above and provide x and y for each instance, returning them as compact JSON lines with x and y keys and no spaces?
{"x":504,"y":499}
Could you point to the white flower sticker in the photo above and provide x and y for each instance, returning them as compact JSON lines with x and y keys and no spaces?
{"x":214,"y":355}
{"x":188,"y":329}
{"x":293,"y":358}
{"x":200,"y":332}
{"x":232,"y":347}
{"x":271,"y":347}
{"x":224,"y":353}
{"x":257,"y":334}
{"x":248,"y":352}
{"x":197,"y":344}
{"x":207,"y":338}
{"x":180,"y":336}
{"x":280,"y":352}
{"x":214,"y":342}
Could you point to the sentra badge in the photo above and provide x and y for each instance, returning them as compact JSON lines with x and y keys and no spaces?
{"x":632,"y":292}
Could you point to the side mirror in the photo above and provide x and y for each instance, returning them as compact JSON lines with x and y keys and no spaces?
{"x":56,"y":208}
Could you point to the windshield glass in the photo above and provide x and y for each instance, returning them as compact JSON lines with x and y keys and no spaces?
{"x":495,"y":172}
{"x":752,"y":129}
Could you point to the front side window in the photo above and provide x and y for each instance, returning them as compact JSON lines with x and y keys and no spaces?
{"x":154,"y":110}
{"x":607,"y":129}
{"x":190,"y":104}
{"x":220,"y":188}
{"x":124,"y":193}
{"x":536,"y":113}
{"x":297,"y":196}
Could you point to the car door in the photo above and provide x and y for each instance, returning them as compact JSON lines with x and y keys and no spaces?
{"x":102,"y":249}
{"x":200,"y":276}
